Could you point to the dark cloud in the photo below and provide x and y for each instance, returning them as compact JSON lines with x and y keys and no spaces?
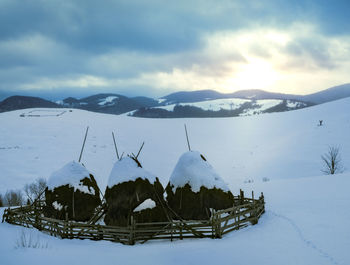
{"x":152,"y":26}
{"x":316,"y":53}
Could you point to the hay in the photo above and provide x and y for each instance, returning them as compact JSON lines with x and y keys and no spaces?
{"x":64,"y":199}
{"x":129,"y":186}
{"x":191,"y":205}
{"x":124,"y":197}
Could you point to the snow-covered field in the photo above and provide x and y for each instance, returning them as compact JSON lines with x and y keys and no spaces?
{"x":307,"y":217}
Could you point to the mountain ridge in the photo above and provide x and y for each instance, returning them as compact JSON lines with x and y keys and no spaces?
{"x":113,"y":103}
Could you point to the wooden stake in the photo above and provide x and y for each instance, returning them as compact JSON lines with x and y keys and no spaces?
{"x":140,"y":150}
{"x":82,"y":148}
{"x":115,"y":146}
{"x":188,"y":142}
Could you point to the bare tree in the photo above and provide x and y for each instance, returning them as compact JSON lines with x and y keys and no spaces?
{"x":35,"y":190}
{"x":1,"y":203}
{"x":332,"y":161}
{"x":13,"y":198}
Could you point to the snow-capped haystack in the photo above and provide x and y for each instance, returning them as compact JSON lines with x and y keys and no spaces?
{"x":73,"y":190}
{"x":133,"y":191}
{"x":195,"y":188}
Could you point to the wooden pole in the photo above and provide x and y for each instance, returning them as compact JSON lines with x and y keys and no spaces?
{"x":73,"y":211}
{"x":115,"y":146}
{"x":82,"y":148}
{"x":188,"y":142}
{"x":138,"y":153}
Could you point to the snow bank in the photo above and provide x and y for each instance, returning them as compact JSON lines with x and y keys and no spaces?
{"x":126,"y":169}
{"x":147,"y":204}
{"x":192,"y":169}
{"x":71,"y":174}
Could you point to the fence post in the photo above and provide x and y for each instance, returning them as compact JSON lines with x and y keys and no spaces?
{"x":132,"y":229}
{"x":70,"y":229}
{"x":241,"y":194}
{"x":216,"y":225}
{"x":181,"y":224}
{"x":171,"y":230}
{"x":219,"y":226}
{"x":213,"y":224}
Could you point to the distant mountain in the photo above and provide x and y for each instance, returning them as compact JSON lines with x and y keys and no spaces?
{"x":327,"y":95}
{"x":109,"y":103}
{"x":229,"y":107}
{"x":203,"y":95}
{"x":330,"y":94}
{"x":146,"y":102}
{"x":24,"y":102}
{"x":191,"y":96}
{"x":201,"y":103}
{"x":260,"y":94}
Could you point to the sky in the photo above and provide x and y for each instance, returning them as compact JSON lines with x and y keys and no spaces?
{"x":153,"y":48}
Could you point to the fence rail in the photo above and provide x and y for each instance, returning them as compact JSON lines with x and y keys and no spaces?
{"x":244,"y":212}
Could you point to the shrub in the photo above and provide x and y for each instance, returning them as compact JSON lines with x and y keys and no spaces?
{"x":27,"y":240}
{"x":35,"y":190}
{"x":332,"y":161}
{"x":13,"y":198}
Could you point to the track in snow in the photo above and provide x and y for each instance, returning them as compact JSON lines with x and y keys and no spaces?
{"x":308,"y":242}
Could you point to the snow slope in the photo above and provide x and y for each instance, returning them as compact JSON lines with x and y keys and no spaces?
{"x":276,"y":145}
{"x":307,"y":214}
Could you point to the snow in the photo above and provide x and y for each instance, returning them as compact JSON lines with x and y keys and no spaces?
{"x":193,"y":170}
{"x":56,"y":205}
{"x":262,"y":105}
{"x":161,"y":100}
{"x":126,"y":169}
{"x":231,"y":104}
{"x":71,"y":174}
{"x":294,"y":104}
{"x":306,"y":222}
{"x":213,"y":105}
{"x":307,"y":213}
{"x":147,"y":204}
{"x":107,"y":100}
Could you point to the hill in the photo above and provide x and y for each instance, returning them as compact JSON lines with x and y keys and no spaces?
{"x":330,"y":94}
{"x":327,"y":95}
{"x":24,"y":102}
{"x":229,"y":107}
{"x":109,"y":103}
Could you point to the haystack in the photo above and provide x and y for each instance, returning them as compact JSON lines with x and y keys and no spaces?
{"x":194,"y":188}
{"x":72,"y":190}
{"x":133,"y":191}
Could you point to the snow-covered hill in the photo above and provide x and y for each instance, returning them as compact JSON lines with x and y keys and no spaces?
{"x":227,"y":107}
{"x":275,"y":145}
{"x":307,"y":215}
{"x":259,"y":106}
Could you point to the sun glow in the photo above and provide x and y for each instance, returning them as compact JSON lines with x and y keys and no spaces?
{"x":257,"y":74}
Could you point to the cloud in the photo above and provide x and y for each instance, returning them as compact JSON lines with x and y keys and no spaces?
{"x":153,"y":47}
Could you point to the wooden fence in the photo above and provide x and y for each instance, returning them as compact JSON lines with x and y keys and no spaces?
{"x":244,"y":212}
